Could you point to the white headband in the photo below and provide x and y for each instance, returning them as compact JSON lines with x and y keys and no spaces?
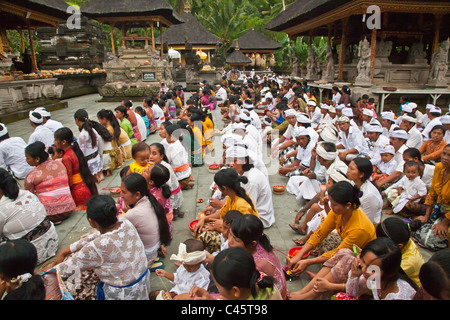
{"x":300,"y":131}
{"x":320,"y":150}
{"x":236,"y":152}
{"x":43,"y":112}
{"x":337,"y":176}
{"x":248,"y":106}
{"x":265,"y":121}
{"x":347,"y":112}
{"x":290,"y":112}
{"x":244,"y":116}
{"x":329,"y":134}
{"x":34,"y":119}
{"x":400,"y":134}
{"x":409,"y":118}
{"x":4,"y":131}
{"x":190,"y":258}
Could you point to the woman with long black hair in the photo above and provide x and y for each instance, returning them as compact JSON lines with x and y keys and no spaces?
{"x":120,"y":139}
{"x":81,"y":181}
{"x":89,"y":143}
{"x":229,"y":183}
{"x":146,"y":214}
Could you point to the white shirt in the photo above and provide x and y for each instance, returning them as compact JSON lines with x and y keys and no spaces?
{"x":375,"y":147}
{"x":158,"y":114}
{"x":84,"y":141}
{"x":304,"y":154}
{"x":315,"y":116}
{"x":256,"y":121}
{"x":185,"y":280}
{"x":371,"y":202}
{"x":12,"y":157}
{"x":254,"y":133}
{"x":141,"y":126}
{"x":259,"y":190}
{"x":177,"y":156}
{"x":354,"y":140}
{"x":222,"y":94}
{"x":399,"y":158}
{"x":415,"y":139}
{"x":413,"y":187}
{"x":386,"y":167}
{"x":43,"y":134}
{"x":53,"y":125}
{"x":336,"y":98}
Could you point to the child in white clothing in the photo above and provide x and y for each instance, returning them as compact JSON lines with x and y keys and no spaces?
{"x":190,"y":273}
{"x":386,"y":165}
{"x":410,"y":188}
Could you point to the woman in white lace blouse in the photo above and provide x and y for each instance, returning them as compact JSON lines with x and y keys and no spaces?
{"x":378,"y":269}
{"x":114,"y":251}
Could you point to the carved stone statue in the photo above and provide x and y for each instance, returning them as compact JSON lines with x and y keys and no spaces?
{"x":439,"y":66}
{"x":328,"y":75}
{"x":312,"y":66}
{"x":272,"y":60}
{"x":383,"y":49}
{"x":363,"y":67}
{"x":417,"y":54}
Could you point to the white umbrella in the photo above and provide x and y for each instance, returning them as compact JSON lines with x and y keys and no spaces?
{"x":174,"y":54}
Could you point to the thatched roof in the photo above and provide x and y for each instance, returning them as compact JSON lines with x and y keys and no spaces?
{"x":237,"y":57}
{"x":302,"y":10}
{"x":130,"y":8}
{"x":53,"y":8}
{"x":191,"y":28}
{"x":255,"y":40}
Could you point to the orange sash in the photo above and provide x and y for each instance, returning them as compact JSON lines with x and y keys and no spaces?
{"x":76,"y":178}
{"x":182,"y":168}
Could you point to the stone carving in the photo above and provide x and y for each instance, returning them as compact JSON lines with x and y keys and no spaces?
{"x":363,"y":67}
{"x":272,"y":60}
{"x":313,"y":65}
{"x":417,"y":54}
{"x":383,"y":49}
{"x":439,"y":66}
{"x":328,"y":75}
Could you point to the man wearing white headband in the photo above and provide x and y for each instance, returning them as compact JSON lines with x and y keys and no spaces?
{"x":368,"y":119}
{"x":307,"y":186}
{"x":375,"y":141}
{"x":285,"y":143}
{"x":256,"y":121}
{"x":250,"y":129}
{"x":40,"y":133}
{"x":48,"y":122}
{"x":303,"y":157}
{"x":239,"y":133}
{"x":435,"y":119}
{"x":425,"y":119}
{"x":351,"y":142}
{"x":12,"y":154}
{"x":408,"y":124}
{"x":388,"y":122}
{"x":257,"y":187}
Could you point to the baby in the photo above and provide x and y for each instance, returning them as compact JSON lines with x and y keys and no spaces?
{"x":141,"y":155}
{"x":191,"y":272}
{"x":386,"y":165}
{"x":410,"y":188}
